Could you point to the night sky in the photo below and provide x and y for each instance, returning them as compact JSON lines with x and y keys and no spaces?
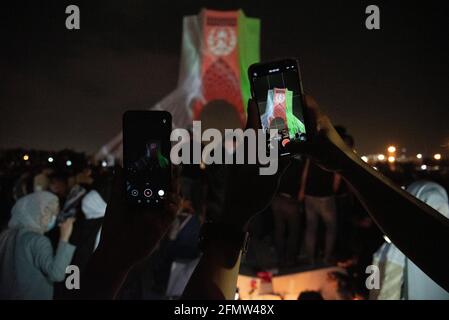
{"x":68,"y":89}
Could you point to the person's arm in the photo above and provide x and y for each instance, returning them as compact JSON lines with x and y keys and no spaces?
{"x":54,"y":265}
{"x":215,"y":276}
{"x":128,"y":235}
{"x":415,"y":228}
{"x":246,"y":194}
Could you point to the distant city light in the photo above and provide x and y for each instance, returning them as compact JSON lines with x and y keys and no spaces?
{"x":437,"y":156}
{"x":50,"y":159}
{"x":381,"y":157}
{"x":26,"y":157}
{"x":391,"y":159}
{"x":364,"y":158}
{"x":391,"y":149}
{"x":104,"y":164}
{"x":68,"y":163}
{"x":161,"y":193}
{"x":423,"y":167}
{"x":419,"y":156}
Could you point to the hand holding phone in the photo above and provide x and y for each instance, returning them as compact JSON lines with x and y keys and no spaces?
{"x":277,"y":88}
{"x":146,"y":156}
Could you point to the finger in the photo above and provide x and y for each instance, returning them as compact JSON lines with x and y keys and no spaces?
{"x":253,"y":118}
{"x":312,"y":115}
{"x":318,"y":121}
{"x":311,"y":102}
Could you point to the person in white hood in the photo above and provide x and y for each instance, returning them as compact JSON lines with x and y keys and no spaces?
{"x":400,"y":277}
{"x":94,"y":207}
{"x":28,"y":265}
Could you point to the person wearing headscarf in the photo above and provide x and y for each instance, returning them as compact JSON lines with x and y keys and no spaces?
{"x":28,"y":264}
{"x":400,"y":278}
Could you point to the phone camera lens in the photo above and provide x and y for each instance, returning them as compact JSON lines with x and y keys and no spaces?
{"x":147,"y":193}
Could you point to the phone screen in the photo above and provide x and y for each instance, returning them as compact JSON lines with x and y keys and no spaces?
{"x":277,"y":88}
{"x":146,"y":156}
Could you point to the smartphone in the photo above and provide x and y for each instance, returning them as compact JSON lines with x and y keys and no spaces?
{"x":146,"y":156}
{"x":277,"y":88}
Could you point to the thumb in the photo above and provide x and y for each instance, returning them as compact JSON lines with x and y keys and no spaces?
{"x":312,"y":111}
{"x":253,"y":116}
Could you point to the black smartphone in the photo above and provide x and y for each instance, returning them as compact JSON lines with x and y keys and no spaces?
{"x":146,"y":156}
{"x":277,"y":88}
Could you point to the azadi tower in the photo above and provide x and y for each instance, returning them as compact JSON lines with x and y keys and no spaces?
{"x":213,"y":86}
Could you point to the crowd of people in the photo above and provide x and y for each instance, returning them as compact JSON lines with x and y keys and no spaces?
{"x":53,"y":217}
{"x":36,"y":200}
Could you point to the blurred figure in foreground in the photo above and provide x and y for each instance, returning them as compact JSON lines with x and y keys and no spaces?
{"x":28,"y":265}
{"x":318,"y":187}
{"x":400,"y":277}
{"x":286,"y":215}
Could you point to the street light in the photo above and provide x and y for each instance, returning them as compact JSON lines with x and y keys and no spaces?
{"x":381,"y":157}
{"x":26,"y":157}
{"x":391,"y":159}
{"x":437,"y":156}
{"x":391,"y":149}
{"x":419,"y":156}
{"x":68,"y":163}
{"x":423,"y":167}
{"x":50,"y":159}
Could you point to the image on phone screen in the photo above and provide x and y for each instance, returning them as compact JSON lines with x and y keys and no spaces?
{"x":278,"y":93}
{"x":146,"y":157}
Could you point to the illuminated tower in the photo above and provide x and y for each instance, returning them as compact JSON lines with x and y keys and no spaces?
{"x":213,"y":86}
